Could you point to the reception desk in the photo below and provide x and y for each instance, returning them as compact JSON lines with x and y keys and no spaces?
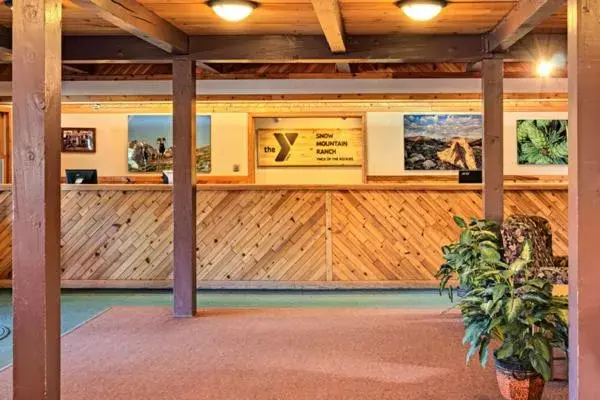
{"x":375,"y":235}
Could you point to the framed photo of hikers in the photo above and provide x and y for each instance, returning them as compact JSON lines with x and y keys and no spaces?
{"x":78,"y":140}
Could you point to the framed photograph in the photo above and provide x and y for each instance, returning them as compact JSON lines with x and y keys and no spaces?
{"x":443,"y":141}
{"x":542,"y":142}
{"x":78,"y":140}
{"x":150,"y":143}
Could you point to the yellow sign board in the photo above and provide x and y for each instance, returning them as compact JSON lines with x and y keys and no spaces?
{"x":309,"y":147}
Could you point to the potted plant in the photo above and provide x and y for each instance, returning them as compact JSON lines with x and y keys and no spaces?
{"x":477,"y":239}
{"x":508,"y":305}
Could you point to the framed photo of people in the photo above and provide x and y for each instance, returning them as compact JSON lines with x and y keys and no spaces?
{"x":150,"y":143}
{"x":78,"y":140}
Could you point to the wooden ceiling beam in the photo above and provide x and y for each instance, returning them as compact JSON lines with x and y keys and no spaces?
{"x":521,"y":20}
{"x":279,"y":48}
{"x":305,"y":49}
{"x":136,"y":19}
{"x":537,"y":47}
{"x":330,"y":18}
{"x":207,"y":68}
{"x":111,"y":49}
{"x":364,"y":48}
{"x":79,"y":69}
{"x":473,"y":67}
{"x":345,"y":68}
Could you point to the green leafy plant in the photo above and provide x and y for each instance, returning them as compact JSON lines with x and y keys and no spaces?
{"x":542,"y":142}
{"x":478,"y":245}
{"x":507,"y":303}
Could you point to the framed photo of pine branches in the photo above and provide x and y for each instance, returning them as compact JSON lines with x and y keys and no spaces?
{"x":542,"y":142}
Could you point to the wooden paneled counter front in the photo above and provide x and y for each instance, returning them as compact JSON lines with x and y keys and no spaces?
{"x":265,"y":236}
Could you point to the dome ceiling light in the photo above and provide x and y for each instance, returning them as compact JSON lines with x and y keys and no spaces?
{"x":421,"y":10}
{"x":232,"y":10}
{"x":545,"y":68}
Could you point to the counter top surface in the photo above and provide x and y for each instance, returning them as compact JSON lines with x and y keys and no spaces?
{"x":434,"y":186}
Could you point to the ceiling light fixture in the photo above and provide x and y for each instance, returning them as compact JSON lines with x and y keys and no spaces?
{"x":232,"y":10}
{"x":545,"y":68}
{"x":421,"y":10}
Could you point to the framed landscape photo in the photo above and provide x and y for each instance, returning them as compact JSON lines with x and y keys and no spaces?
{"x":542,"y":142}
{"x":78,"y":140}
{"x":442,"y":142}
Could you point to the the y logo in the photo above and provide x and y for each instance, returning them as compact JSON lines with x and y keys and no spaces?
{"x":286,"y":142}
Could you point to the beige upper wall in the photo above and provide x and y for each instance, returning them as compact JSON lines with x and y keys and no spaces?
{"x":228,"y":138}
{"x":385,"y":150}
{"x":385,"y":145}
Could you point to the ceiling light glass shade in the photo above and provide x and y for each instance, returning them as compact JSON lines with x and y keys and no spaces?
{"x":421,"y":10}
{"x":545,"y":68}
{"x":232,"y":10}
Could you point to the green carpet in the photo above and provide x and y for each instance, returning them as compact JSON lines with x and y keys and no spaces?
{"x":78,"y":306}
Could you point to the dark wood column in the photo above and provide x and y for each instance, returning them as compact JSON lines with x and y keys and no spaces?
{"x":36,"y":198}
{"x":184,"y":188}
{"x":584,"y":199}
{"x":493,"y":152}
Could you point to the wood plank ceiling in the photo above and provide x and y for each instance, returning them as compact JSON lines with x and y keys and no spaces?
{"x":331,"y":18}
{"x":360,"y":17}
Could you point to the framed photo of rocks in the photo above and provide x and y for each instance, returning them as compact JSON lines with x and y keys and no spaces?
{"x":436,"y":142}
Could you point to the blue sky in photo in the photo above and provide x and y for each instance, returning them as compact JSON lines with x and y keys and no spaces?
{"x":443,"y":126}
{"x":148,"y":128}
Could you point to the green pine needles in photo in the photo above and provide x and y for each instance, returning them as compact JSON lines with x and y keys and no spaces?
{"x":542,"y":142}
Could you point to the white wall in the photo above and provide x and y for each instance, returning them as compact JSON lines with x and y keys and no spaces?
{"x":385,"y":145}
{"x":228,"y":139}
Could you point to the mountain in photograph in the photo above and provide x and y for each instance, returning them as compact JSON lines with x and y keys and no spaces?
{"x":442,"y":142}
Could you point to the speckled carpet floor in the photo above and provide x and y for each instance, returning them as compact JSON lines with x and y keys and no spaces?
{"x":314,"y":353}
{"x":78,"y":306}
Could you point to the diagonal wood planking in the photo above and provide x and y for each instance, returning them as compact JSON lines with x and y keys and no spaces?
{"x":397,"y":235}
{"x":273,"y":235}
{"x":261,"y":235}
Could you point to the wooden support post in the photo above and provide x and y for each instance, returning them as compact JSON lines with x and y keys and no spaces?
{"x":184,"y":187}
{"x":36,"y":199}
{"x":584,"y":199}
{"x":493,"y":171}
{"x":328,"y":236}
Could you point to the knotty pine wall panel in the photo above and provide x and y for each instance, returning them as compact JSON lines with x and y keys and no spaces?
{"x":273,"y":235}
{"x":261,"y":235}
{"x":5,"y":234}
{"x":397,"y":235}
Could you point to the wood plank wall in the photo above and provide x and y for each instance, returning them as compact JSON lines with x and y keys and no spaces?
{"x":273,"y":235}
